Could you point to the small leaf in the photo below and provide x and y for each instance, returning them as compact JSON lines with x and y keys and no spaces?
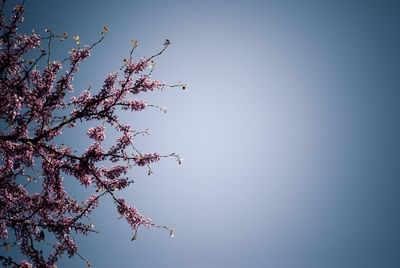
{"x":167,"y":42}
{"x":134,"y":235}
{"x":180,"y":160}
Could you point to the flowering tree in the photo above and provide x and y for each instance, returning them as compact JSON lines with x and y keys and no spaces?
{"x":34,"y":110}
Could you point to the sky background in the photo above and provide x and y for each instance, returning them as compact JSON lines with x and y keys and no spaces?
{"x":289,"y":130}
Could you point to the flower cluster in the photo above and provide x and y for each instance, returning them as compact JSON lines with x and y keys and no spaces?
{"x":143,"y":160}
{"x":144,"y":83}
{"x":136,"y":68}
{"x":134,"y":105}
{"x":132,"y":215}
{"x":97,"y":133}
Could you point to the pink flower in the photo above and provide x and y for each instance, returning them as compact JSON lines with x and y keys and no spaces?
{"x":97,"y":133}
{"x":25,"y":264}
{"x":142,"y":160}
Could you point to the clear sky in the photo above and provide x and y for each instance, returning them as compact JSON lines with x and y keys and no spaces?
{"x":289,"y":130}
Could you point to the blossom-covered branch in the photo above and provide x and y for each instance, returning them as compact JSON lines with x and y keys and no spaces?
{"x":35,"y":107}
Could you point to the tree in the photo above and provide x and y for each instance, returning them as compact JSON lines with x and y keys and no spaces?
{"x":35,"y":108}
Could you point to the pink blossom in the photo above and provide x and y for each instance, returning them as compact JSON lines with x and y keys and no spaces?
{"x":97,"y":133}
{"x":136,"y":67}
{"x":25,"y":264}
{"x":142,"y":160}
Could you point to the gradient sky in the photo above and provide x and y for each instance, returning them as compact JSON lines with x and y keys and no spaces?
{"x":289,"y":130}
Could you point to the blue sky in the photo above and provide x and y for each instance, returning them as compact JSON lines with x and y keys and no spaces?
{"x":288,"y":129}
